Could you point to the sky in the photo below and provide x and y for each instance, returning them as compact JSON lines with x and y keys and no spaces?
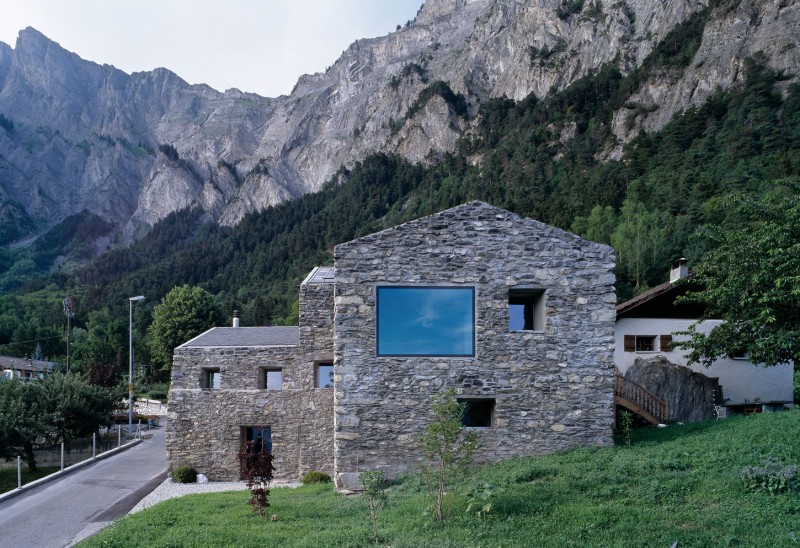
{"x":260,"y":46}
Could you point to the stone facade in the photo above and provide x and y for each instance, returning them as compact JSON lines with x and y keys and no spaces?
{"x":206,"y":426}
{"x":552,"y":387}
{"x":550,"y":384}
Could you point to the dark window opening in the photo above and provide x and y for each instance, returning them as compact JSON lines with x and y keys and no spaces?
{"x":645,"y":343}
{"x":324,"y":375}
{"x":260,"y":436}
{"x":478,"y":413}
{"x":211,"y":379}
{"x":525,"y":309}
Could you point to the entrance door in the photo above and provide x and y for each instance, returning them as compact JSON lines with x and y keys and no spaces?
{"x":261,"y":436}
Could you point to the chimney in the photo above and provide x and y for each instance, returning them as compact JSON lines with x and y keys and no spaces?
{"x":680,"y":269}
{"x":235,"y":318}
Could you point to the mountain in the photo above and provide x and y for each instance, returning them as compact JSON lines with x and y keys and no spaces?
{"x":130,"y":149}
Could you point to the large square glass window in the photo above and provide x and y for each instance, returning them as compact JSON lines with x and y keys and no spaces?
{"x":426,"y":321}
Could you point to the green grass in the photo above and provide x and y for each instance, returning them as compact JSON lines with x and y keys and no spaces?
{"x":8,"y":476}
{"x":679,"y":483}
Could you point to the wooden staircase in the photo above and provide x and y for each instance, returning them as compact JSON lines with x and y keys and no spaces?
{"x":638,"y":400}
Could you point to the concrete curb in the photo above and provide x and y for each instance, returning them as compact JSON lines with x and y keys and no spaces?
{"x":69,"y":469}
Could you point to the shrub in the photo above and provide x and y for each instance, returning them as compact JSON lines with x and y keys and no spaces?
{"x":772,"y":478}
{"x":184,"y":474}
{"x":315,"y":476}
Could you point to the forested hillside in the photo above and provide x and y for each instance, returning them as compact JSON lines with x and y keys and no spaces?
{"x":544,"y":159}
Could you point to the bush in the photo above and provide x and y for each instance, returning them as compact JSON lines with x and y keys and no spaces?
{"x":772,"y":478}
{"x":315,"y":476}
{"x":184,"y":474}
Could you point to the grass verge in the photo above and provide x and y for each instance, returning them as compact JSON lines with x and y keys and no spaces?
{"x":8,"y":476}
{"x":679,"y":483}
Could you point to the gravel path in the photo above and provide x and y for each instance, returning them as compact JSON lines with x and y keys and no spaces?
{"x":171,"y":489}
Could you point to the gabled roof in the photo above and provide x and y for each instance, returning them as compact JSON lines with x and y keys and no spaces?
{"x":246,"y":337}
{"x":25,"y":364}
{"x":479,"y":214}
{"x":659,"y":302}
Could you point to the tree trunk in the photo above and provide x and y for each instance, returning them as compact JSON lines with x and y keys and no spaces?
{"x":30,"y":458}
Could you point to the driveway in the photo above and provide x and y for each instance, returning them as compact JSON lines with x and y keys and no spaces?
{"x":67,"y":510}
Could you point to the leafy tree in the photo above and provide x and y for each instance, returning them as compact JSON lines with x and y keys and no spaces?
{"x":751,"y":280}
{"x":58,"y":408}
{"x":446,"y":448}
{"x":106,"y":340}
{"x":598,"y":226}
{"x":182,"y":314}
{"x":639,"y":241}
{"x":22,"y":419}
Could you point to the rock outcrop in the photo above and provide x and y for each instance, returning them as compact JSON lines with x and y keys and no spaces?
{"x":688,"y":394}
{"x":81,"y":136}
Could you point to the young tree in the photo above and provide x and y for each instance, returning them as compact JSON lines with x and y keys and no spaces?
{"x":446,"y":447}
{"x":374,"y":494}
{"x":751,"y":280}
{"x":255,"y":466}
{"x":182,"y":314}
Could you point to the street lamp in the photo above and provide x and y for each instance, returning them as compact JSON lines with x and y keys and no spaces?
{"x":131,"y":300}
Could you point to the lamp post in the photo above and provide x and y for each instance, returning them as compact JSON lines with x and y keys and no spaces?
{"x":131,"y":300}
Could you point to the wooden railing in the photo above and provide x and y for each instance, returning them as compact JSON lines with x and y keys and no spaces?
{"x":641,"y":400}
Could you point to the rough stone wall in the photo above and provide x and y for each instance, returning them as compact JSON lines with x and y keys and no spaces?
{"x":553,"y":388}
{"x":316,"y":345}
{"x":205,"y":425}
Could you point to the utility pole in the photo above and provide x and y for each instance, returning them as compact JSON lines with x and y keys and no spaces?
{"x":69,"y":311}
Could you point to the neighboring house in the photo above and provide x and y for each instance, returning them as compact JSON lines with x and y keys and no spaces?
{"x":24,"y":368}
{"x":515,"y":315}
{"x":646,"y":325}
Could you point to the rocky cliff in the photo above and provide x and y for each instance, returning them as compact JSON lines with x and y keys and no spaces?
{"x":132,"y":148}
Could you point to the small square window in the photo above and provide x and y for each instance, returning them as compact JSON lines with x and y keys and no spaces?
{"x":211,"y":379}
{"x":478,"y":413}
{"x":324,"y":375}
{"x":645,"y":343}
{"x":525,"y":309}
{"x":272,"y":379}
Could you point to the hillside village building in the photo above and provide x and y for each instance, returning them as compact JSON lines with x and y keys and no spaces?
{"x":515,"y":315}
{"x":645,"y":326}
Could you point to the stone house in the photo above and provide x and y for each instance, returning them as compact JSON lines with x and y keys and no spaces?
{"x":515,"y":315}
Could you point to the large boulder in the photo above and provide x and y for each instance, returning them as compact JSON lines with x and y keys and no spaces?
{"x":689,"y":395}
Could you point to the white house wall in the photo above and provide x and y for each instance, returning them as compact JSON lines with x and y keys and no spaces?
{"x":741,"y":381}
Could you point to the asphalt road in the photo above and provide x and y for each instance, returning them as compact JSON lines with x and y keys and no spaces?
{"x":68,"y":510}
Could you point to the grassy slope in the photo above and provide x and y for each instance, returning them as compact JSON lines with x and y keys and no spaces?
{"x":680,"y":483}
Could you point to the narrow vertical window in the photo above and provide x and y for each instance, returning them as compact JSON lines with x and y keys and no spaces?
{"x":324,"y":375}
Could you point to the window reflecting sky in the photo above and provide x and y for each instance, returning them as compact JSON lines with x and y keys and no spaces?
{"x":426,"y":321}
{"x":516,"y":317}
